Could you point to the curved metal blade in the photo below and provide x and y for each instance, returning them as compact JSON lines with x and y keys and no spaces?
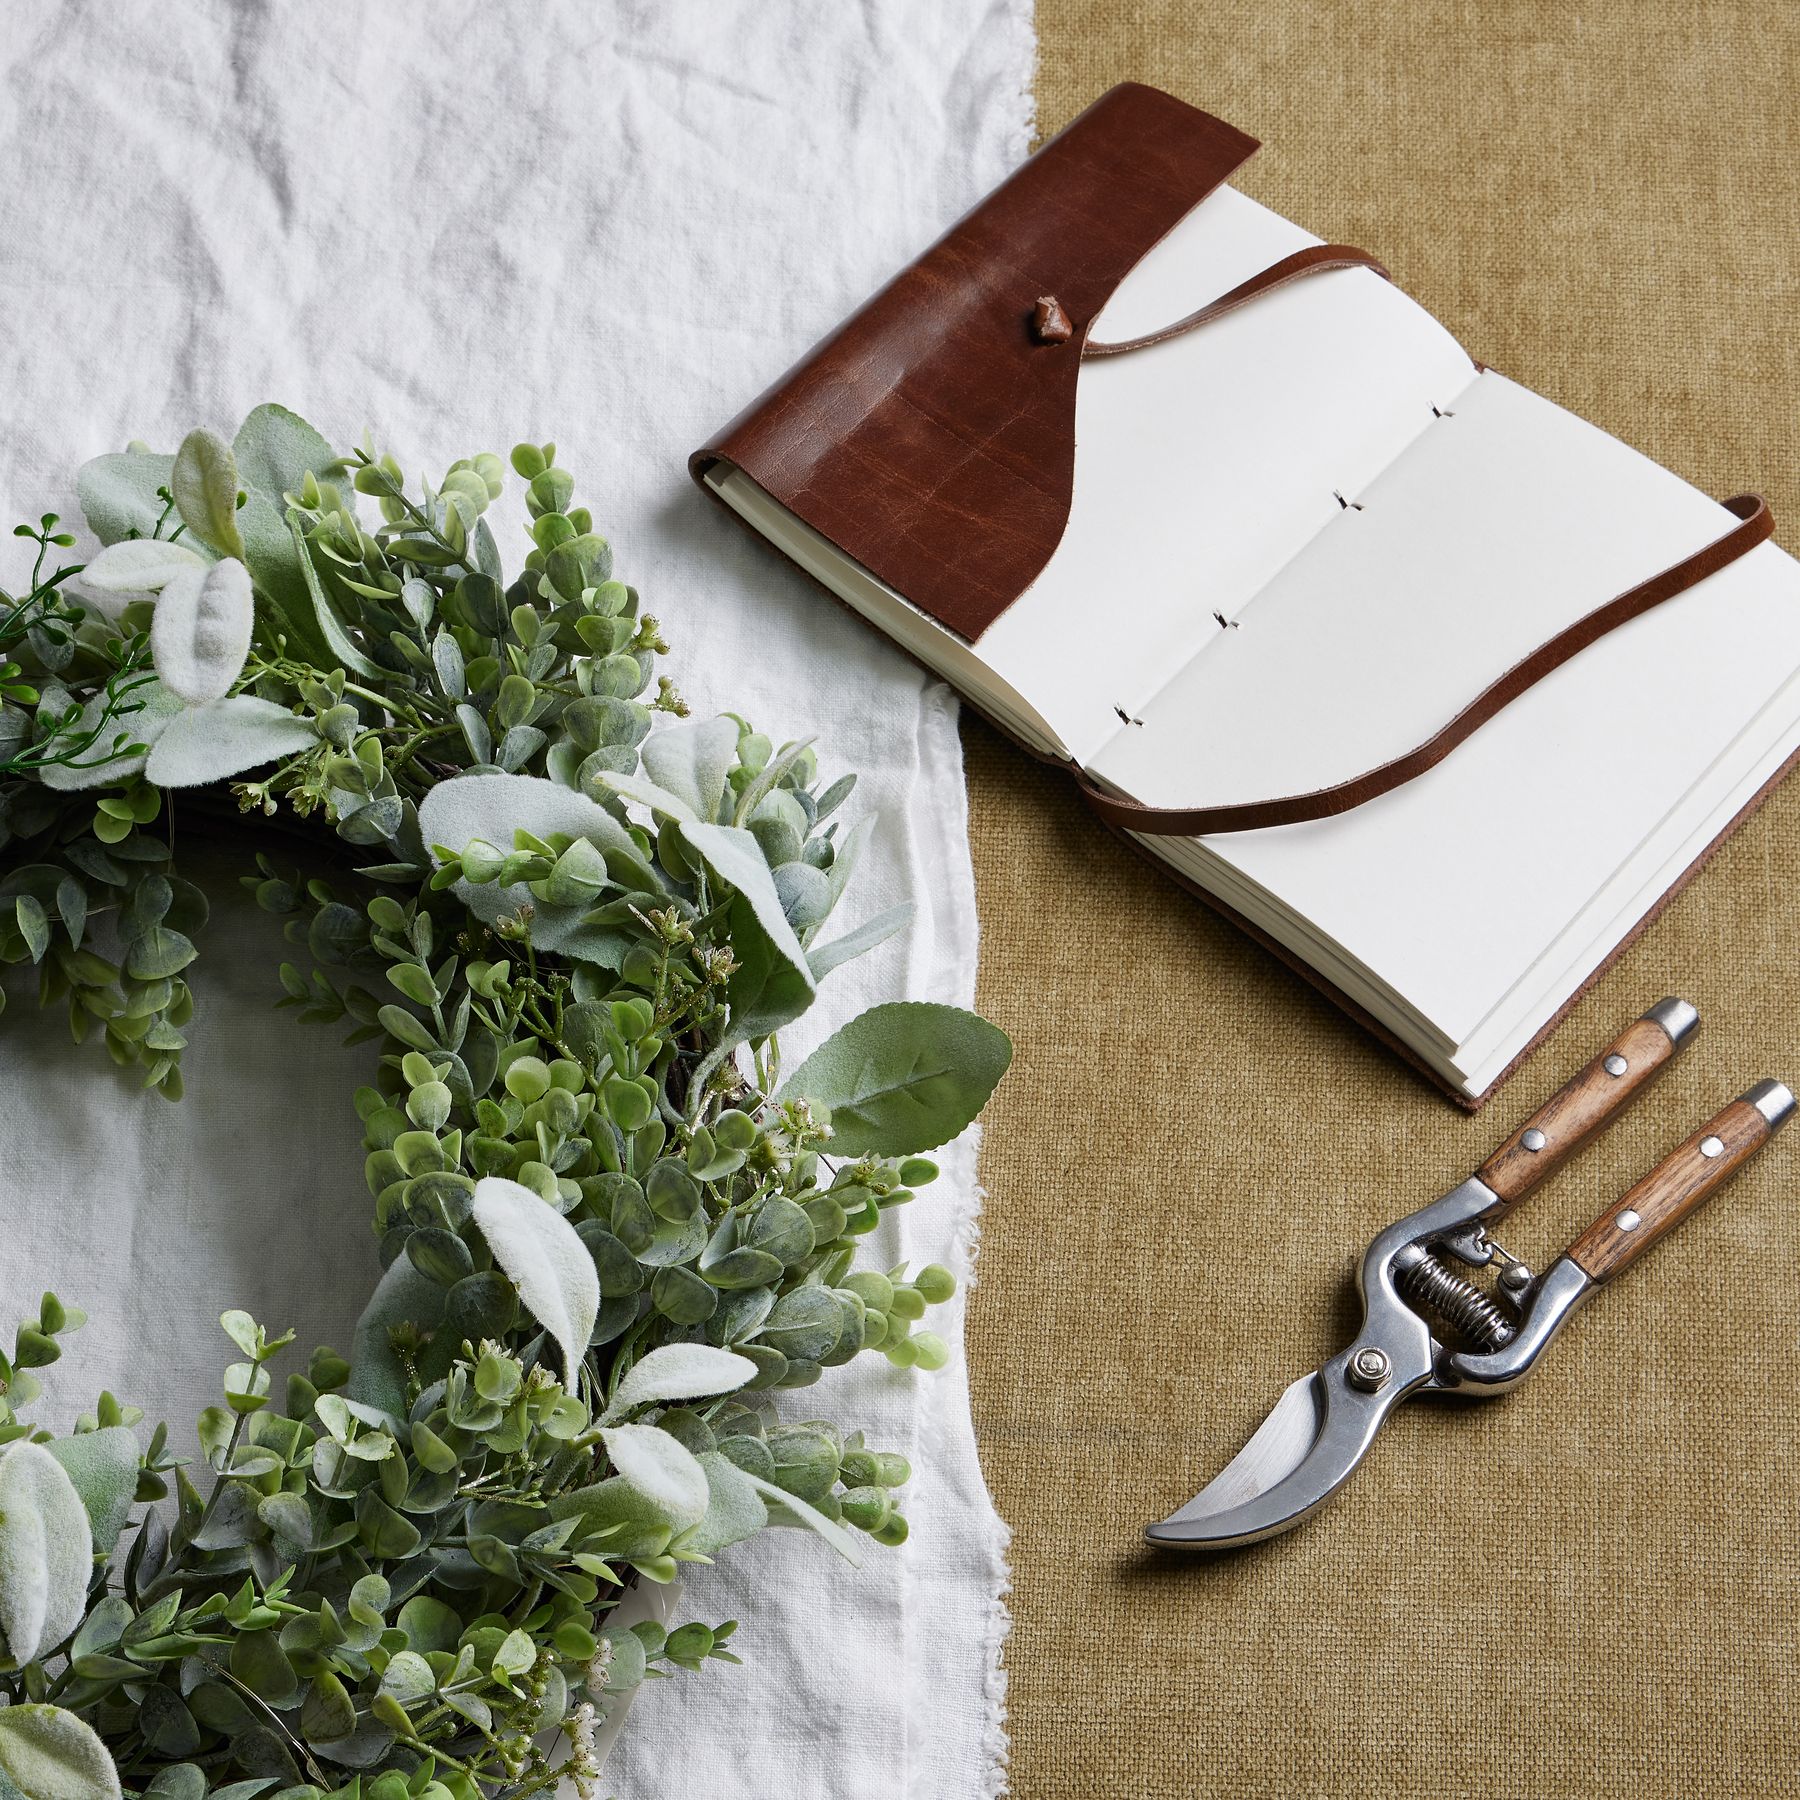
{"x":1276,"y":1448}
{"x":1302,"y":1453}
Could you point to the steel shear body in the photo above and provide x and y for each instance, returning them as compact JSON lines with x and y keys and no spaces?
{"x":1430,"y":1328}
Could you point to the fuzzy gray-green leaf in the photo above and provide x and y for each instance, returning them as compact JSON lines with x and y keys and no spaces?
{"x":904,"y":1077}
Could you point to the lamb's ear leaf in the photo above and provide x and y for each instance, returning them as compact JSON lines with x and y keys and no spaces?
{"x":276,"y":450}
{"x":849,"y":854}
{"x":790,"y":1509}
{"x":734,"y":1509}
{"x":773,"y":984}
{"x":46,"y":1553}
{"x":210,"y":743}
{"x":49,"y":1754}
{"x":903,"y":1077}
{"x":661,"y":1468}
{"x":154,"y":710}
{"x":103,"y":1465}
{"x":823,"y":958}
{"x":200,"y":631}
{"x":678,"y":1372}
{"x":494,"y":806}
{"x":540,"y":1253}
{"x":648,"y":794}
{"x":140,"y":566}
{"x":204,"y":482}
{"x":118,"y":494}
{"x":691,"y":761}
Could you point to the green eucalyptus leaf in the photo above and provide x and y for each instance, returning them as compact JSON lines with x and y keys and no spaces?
{"x":619,"y":1271}
{"x":805,"y":1324}
{"x":166,"y":1723}
{"x":903,"y":1077}
{"x":179,"y":1781}
{"x":430,"y":1625}
{"x":782,"y":1228}
{"x":672,"y":1191}
{"x":329,"y":1712}
{"x":259,"y":1662}
{"x":485,"y":1305}
{"x":682,"y":1296}
{"x":158,"y":953}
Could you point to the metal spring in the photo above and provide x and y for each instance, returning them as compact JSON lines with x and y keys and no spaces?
{"x":1459,"y":1303}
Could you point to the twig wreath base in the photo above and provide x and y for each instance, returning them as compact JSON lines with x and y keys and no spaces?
{"x":615,"y":1234}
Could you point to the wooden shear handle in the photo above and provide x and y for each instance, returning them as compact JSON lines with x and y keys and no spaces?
{"x":1678,"y":1185}
{"x":1578,"y":1109}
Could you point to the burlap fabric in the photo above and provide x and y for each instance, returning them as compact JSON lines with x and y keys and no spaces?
{"x":1591,"y":1588}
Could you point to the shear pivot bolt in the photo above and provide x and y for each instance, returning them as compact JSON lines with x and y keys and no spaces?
{"x":1369,"y":1370}
{"x":1534,"y":1140}
{"x":1615,"y":1065}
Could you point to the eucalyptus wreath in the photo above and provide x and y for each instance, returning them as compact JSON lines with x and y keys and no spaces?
{"x":616,"y":1236}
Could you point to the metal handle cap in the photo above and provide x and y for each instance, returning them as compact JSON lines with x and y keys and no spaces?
{"x":1774,"y":1100}
{"x":1676,"y":1017}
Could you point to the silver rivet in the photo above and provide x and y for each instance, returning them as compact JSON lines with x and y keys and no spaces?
{"x":1711,"y":1147}
{"x":1515,"y":1278}
{"x":1369,"y":1369}
{"x":1534,"y":1140}
{"x":1628,"y":1220}
{"x":1615,"y":1064}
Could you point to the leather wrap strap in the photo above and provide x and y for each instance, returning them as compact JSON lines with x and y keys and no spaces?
{"x":1314,"y":260}
{"x":1755,"y":525}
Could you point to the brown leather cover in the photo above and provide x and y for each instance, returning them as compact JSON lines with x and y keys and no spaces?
{"x":932,"y":436}
{"x":926,"y":440}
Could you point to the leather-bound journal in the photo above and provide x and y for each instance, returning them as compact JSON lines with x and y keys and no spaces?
{"x":1437,"y":689}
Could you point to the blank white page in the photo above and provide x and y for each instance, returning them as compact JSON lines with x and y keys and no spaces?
{"x":1502,"y":525}
{"x":1204,"y":463}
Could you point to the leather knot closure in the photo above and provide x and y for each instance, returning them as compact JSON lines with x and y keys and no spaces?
{"x":1049,"y":323}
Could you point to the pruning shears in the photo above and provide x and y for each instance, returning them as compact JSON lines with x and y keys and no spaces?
{"x":1430,"y":1328}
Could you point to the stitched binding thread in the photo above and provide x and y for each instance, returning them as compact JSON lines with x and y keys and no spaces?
{"x":1756,"y":525}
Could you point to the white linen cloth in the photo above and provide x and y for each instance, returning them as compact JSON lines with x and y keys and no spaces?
{"x":461,"y":225}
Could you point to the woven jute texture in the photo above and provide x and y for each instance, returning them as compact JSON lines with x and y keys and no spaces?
{"x":1592,"y":1587}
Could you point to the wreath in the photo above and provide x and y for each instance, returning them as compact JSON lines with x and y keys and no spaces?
{"x":614,"y":1232}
